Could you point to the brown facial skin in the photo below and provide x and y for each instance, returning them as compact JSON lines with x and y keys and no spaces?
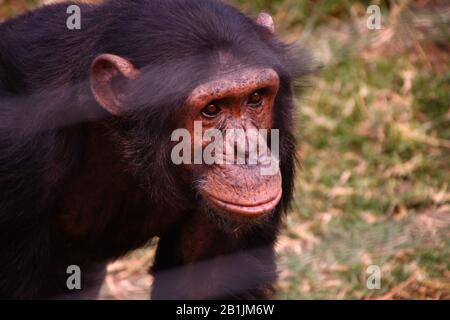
{"x":238,"y":99}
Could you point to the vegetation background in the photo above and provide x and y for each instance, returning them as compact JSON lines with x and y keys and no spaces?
{"x":374,"y":139}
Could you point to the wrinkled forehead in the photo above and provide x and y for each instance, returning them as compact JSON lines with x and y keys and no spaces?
{"x":235,"y":80}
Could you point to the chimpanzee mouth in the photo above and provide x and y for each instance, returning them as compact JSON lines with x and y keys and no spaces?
{"x":243,"y":211}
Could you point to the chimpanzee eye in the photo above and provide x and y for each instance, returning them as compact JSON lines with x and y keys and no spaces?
{"x":211,"y":111}
{"x":255,"y":99}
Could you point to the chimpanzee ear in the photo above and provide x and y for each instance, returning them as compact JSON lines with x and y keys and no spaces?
{"x":109,"y":77}
{"x":265,"y":20}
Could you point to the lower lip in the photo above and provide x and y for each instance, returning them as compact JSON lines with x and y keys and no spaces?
{"x":245,"y":211}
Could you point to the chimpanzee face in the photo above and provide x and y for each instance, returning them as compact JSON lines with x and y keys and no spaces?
{"x":237,"y":100}
{"x":240,"y":99}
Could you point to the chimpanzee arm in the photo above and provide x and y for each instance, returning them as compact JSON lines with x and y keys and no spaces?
{"x":199,"y":260}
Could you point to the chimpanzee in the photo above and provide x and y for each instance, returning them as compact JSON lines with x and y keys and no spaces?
{"x":86,"y":175}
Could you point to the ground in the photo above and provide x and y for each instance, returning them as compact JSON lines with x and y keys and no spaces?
{"x":374,"y":142}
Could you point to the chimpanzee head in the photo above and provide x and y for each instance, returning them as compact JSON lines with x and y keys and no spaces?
{"x":204,"y":69}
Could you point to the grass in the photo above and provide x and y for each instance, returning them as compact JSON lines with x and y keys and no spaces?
{"x":374,"y":133}
{"x":374,"y":142}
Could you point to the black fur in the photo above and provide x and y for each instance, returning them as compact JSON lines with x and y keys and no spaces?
{"x":54,"y":138}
